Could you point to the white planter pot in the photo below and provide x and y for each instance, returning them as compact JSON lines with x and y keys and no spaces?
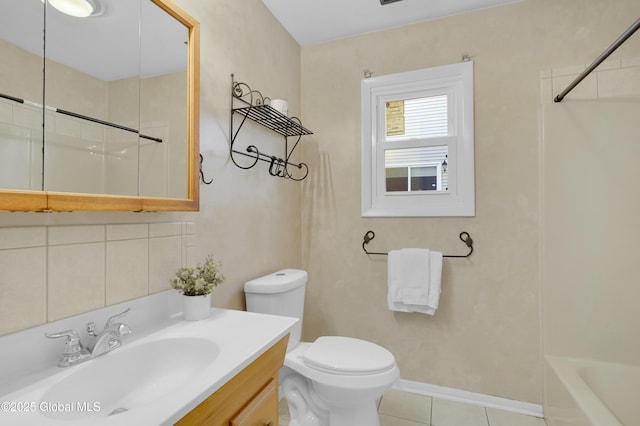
{"x":196,"y":308}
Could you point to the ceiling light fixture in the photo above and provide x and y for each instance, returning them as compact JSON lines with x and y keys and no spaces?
{"x":77,"y":8}
{"x":383,"y":2}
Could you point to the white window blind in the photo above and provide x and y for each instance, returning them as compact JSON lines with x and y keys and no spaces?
{"x":422,"y":118}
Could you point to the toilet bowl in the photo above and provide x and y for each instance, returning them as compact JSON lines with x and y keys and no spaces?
{"x":334,"y":381}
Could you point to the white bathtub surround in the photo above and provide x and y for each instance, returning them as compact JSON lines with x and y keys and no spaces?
{"x":606,"y":392}
{"x":28,"y":361}
{"x":589,"y":251}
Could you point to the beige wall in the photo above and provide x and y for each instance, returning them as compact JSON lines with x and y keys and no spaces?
{"x":486,"y":335}
{"x":247,"y":219}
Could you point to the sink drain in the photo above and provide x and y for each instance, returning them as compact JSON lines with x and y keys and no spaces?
{"x":118,"y":411}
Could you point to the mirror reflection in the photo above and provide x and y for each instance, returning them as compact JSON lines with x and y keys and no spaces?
{"x":115,"y":90}
{"x":21,"y":95}
{"x":163,"y":104}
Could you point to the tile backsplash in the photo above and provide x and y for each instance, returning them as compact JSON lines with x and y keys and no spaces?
{"x":53,"y":272}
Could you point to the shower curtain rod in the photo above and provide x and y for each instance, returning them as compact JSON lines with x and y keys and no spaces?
{"x":76,"y":115}
{"x":632,"y":29}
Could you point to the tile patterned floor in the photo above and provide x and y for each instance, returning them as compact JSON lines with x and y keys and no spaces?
{"x":408,"y":409}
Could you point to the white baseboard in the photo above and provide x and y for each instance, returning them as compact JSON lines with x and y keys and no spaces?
{"x":467,"y":397}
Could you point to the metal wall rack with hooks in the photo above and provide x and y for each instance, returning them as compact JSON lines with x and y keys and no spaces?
{"x":255,"y":107}
{"x":464,"y":237}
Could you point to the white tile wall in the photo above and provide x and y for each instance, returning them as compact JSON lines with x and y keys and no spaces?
{"x":68,"y":127}
{"x":6,"y":112}
{"x":20,"y":131}
{"x":64,"y":235}
{"x":614,"y":78}
{"x":127,"y":270}
{"x":165,"y":256}
{"x":19,"y":237}
{"x":75,"y":279}
{"x":26,"y":116}
{"x":49,"y":273}
{"x":23,"y":292}
{"x":622,"y":82}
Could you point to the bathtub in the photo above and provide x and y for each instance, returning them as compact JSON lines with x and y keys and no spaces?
{"x":607,"y":394}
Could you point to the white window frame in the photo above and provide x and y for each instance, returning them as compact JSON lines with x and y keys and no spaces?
{"x":455,"y":80}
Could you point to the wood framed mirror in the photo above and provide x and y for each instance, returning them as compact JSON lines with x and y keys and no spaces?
{"x":102,"y":113}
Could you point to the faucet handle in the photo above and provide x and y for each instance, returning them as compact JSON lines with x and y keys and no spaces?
{"x":72,"y":344}
{"x":73,"y":353}
{"x":115,"y":317}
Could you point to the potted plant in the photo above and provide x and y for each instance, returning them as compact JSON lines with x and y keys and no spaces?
{"x":196,"y":283}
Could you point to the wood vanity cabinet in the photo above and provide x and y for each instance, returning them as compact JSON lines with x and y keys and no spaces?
{"x":249,"y":399}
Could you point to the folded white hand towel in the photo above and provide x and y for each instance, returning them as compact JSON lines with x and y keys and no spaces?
{"x":414,"y":277}
{"x":409,"y":276}
{"x":435,"y":281}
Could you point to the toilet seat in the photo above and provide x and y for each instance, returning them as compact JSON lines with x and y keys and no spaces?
{"x":295,"y":361}
{"x":347,"y":356}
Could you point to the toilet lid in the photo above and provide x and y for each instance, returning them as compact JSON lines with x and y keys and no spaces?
{"x":347,"y":356}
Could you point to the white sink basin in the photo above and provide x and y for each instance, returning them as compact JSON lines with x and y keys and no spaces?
{"x":161,"y":372}
{"x":128,"y":378}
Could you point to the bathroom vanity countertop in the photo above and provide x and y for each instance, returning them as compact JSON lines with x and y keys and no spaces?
{"x":241,"y":337}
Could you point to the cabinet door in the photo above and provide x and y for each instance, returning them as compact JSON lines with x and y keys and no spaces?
{"x":262,"y":410}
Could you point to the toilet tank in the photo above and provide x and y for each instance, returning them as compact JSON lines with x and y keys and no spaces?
{"x":279,"y":293}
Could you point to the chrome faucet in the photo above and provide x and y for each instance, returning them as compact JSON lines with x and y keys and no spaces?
{"x":106,"y":341}
{"x":109,"y":338}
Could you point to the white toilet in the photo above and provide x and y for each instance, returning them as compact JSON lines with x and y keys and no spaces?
{"x":334,"y":381}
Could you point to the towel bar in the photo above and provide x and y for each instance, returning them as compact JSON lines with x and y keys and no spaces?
{"x":464,"y":237}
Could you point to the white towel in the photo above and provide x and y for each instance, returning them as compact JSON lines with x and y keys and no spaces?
{"x":409,"y":276}
{"x":414,"y":280}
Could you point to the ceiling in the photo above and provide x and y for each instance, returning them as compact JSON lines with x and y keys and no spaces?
{"x":317,"y":21}
{"x":107,"y":53}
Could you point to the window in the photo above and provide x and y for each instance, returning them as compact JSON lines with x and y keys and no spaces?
{"x":417,"y":143}
{"x":424,"y":169}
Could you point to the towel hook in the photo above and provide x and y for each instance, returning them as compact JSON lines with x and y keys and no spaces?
{"x":202,"y":173}
{"x":464,"y":237}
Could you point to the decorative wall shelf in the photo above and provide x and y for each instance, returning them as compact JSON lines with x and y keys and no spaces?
{"x":252,"y":105}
